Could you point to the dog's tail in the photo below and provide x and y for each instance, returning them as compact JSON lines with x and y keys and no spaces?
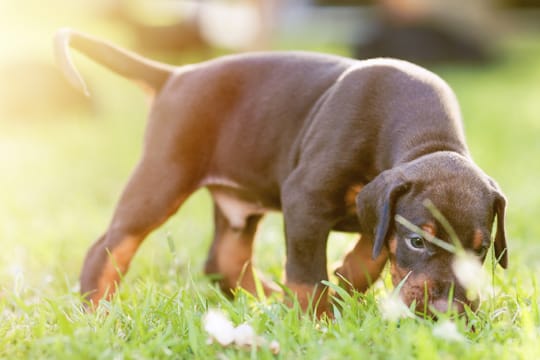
{"x":121,"y":61}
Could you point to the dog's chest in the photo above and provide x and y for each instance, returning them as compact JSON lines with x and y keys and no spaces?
{"x":350,"y":197}
{"x":349,"y":221}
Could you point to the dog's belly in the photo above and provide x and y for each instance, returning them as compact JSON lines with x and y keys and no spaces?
{"x":238,"y":203}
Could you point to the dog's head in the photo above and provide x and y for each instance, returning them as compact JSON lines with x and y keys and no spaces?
{"x":467,"y":198}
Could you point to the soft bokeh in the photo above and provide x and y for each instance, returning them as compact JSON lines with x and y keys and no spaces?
{"x":64,"y":158}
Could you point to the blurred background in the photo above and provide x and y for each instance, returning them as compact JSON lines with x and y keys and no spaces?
{"x":64,"y":157}
{"x":429,"y":32}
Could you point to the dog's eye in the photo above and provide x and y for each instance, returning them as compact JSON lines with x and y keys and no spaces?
{"x":417,"y":242}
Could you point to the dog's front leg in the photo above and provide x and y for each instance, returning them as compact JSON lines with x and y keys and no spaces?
{"x":307,"y":226}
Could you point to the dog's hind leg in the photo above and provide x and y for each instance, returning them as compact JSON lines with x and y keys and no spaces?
{"x":230,"y":256}
{"x":155,"y":191}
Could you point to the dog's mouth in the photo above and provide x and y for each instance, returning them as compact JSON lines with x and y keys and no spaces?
{"x":432,"y":298}
{"x":429,"y":296}
{"x":432,"y":307}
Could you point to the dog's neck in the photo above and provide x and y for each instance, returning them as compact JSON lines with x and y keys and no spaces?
{"x":426,"y":139}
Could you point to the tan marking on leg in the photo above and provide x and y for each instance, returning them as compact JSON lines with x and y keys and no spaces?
{"x":359,"y":269}
{"x":246,"y":280}
{"x":313,"y":297}
{"x":230,"y":255}
{"x":233,"y":263}
{"x":116,"y":266}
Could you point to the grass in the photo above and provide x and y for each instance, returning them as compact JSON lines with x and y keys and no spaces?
{"x":61,"y":177}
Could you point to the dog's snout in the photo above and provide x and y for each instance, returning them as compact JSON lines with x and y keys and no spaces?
{"x":438,"y":297}
{"x":440,"y":289}
{"x":447,"y":296}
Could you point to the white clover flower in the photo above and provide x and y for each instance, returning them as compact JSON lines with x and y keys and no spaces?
{"x":470,"y":273}
{"x":448,"y":330}
{"x":244,"y":335}
{"x":274,"y":347}
{"x":219,"y":327}
{"x":393,"y":309}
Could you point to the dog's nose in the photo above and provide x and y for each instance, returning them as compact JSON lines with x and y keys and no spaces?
{"x":440,"y":302}
{"x":443,"y":306}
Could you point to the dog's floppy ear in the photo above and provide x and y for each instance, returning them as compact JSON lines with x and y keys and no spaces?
{"x":375,"y":206}
{"x":501,"y":250}
{"x":499,"y":205}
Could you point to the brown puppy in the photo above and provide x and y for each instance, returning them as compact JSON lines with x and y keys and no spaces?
{"x":335,"y":143}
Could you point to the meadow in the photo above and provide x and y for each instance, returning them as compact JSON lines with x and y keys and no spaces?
{"x":61,"y":175}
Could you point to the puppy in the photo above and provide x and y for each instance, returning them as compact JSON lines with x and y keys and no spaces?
{"x":334,"y":143}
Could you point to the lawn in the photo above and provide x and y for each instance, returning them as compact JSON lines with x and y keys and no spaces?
{"x":62,"y":174}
